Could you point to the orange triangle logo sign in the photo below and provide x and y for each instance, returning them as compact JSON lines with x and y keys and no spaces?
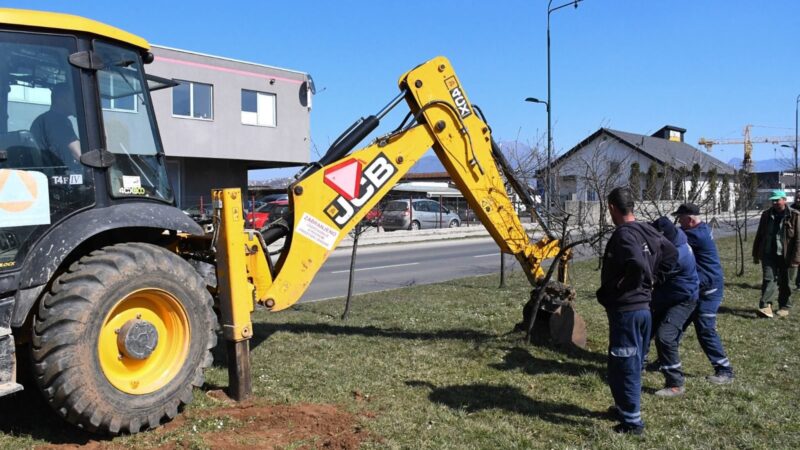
{"x":21,"y":194}
{"x":345,"y":178}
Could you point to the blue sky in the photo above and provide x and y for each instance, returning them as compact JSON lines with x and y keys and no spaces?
{"x":708,"y":66}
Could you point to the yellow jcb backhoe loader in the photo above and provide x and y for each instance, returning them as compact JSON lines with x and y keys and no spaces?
{"x":112,"y":288}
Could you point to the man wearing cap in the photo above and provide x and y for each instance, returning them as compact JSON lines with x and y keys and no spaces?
{"x":709,"y":272}
{"x":776,"y":247}
{"x":674,"y":301}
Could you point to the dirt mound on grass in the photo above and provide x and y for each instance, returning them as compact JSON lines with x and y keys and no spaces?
{"x":250,"y":426}
{"x":277,"y":426}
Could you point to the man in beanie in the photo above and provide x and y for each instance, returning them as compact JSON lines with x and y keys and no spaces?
{"x":635,"y":258}
{"x":674,"y":301}
{"x":776,"y":247}
{"x":709,"y":271}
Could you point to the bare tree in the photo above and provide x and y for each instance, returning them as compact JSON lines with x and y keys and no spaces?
{"x":635,"y":181}
{"x":725,"y":193}
{"x":584,"y":217}
{"x":711,"y":196}
{"x":651,"y":184}
{"x":694,"y":183}
{"x":355,"y":233}
{"x":745,"y":189}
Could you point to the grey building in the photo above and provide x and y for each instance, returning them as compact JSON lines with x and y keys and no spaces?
{"x":226,"y":117}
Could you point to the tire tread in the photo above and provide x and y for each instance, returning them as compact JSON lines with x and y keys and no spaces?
{"x":61,"y":319}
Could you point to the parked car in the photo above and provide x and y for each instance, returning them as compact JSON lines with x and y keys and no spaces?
{"x":424,"y":214}
{"x":272,"y":198}
{"x":467,"y":215}
{"x":265,"y":214}
{"x":373,"y":217}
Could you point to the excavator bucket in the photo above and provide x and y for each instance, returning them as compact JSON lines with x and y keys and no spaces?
{"x":567,"y":326}
{"x":556,"y":310}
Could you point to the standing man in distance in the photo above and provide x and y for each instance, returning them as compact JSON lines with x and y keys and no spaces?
{"x":634,"y":259}
{"x":712,"y":283}
{"x":777,"y":247}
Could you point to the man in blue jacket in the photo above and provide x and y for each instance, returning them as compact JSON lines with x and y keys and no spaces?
{"x":635,"y":259}
{"x":709,"y":271}
{"x":674,"y":301}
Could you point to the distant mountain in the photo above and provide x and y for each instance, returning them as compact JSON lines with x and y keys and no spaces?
{"x":764,"y":165}
{"x":428,"y":164}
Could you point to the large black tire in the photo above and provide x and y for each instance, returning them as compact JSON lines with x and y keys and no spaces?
{"x":69,"y":363}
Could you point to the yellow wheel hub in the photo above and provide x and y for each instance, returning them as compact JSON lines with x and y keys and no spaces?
{"x":144,"y":341}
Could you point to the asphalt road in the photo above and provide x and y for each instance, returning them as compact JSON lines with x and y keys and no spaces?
{"x":386,"y":267}
{"x":395,"y":266}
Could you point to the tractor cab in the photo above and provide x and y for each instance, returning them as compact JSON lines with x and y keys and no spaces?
{"x":77,"y":129}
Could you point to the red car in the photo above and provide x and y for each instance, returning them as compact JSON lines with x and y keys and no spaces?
{"x":265,"y":214}
{"x":373,"y":217}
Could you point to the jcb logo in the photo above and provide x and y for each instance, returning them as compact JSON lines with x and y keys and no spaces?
{"x":374,"y":176}
{"x":458,"y":97}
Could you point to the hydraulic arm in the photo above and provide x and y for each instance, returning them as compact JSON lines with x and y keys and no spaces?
{"x":331,"y":197}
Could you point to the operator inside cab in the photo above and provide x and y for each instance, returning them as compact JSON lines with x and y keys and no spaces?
{"x":53,"y":129}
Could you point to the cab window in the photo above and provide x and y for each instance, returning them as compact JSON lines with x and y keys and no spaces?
{"x":42,"y":137}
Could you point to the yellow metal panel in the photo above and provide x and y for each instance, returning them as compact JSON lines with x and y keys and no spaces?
{"x":323,"y":216}
{"x":257,"y":266}
{"x":331,"y":201}
{"x":464,"y":145}
{"x":68,"y":22}
{"x":236,"y":290}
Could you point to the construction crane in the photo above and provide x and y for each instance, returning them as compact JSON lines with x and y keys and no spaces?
{"x":748,"y":141}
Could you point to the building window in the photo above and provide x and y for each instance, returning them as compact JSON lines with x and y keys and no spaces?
{"x":29,"y":94}
{"x":258,"y":108}
{"x":113,"y":89}
{"x":190,"y":99}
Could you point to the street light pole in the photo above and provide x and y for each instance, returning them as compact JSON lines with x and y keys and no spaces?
{"x":796,"y":103}
{"x":546,"y":193}
{"x":549,"y":105}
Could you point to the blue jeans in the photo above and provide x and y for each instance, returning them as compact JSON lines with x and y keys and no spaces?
{"x":705,"y":324}
{"x":668,"y":323}
{"x":628,"y":334}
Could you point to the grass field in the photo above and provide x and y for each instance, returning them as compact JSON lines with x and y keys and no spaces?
{"x":435,"y":367}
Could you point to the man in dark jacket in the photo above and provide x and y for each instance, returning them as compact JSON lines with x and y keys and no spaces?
{"x":709,"y":271}
{"x":635,"y":258}
{"x":777,"y":247}
{"x":674,"y":301}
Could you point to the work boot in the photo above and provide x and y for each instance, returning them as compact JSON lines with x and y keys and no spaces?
{"x":765,"y":312}
{"x":720,"y":378}
{"x":625,"y":428}
{"x":783,"y":312}
{"x":668,"y":392}
{"x":653,"y":366}
{"x":613,"y":413}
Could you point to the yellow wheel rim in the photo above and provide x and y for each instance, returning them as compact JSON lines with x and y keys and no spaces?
{"x":166,"y":315}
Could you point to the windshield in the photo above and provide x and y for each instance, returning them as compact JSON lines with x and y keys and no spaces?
{"x":396,"y":206}
{"x":138,"y":169}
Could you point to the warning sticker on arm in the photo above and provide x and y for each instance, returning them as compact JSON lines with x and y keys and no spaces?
{"x":317,"y":231}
